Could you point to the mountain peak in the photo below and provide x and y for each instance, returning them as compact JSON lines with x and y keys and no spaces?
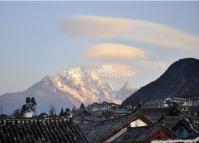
{"x":184,"y":62}
{"x":127,"y":86}
{"x":46,"y":78}
{"x":125,"y":91}
{"x":79,"y":85}
{"x":181,"y":79}
{"x":187,"y":60}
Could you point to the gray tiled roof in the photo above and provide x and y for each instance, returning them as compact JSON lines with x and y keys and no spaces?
{"x":140,"y":134}
{"x":52,"y":130}
{"x":96,"y":130}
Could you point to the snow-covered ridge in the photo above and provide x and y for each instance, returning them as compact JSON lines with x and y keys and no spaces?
{"x":84,"y":85}
{"x":68,"y":91}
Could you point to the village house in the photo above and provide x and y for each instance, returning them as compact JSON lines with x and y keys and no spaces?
{"x":146,"y":134}
{"x":186,"y":129}
{"x":137,"y":120}
{"x":109,"y":130}
{"x":182,"y":102}
{"x":191,"y":110}
{"x":98,"y":107}
{"x":139,"y":125}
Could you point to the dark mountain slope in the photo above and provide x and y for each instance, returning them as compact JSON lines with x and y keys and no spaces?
{"x":181,"y":79}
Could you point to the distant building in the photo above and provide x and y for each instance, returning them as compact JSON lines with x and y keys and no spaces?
{"x":97,"y":107}
{"x":179,"y":100}
{"x":195,"y":101}
{"x":28,"y":114}
{"x":191,"y":110}
{"x":135,"y":120}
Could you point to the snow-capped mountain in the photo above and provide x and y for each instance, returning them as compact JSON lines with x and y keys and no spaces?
{"x":125,"y":91}
{"x":78,"y":85}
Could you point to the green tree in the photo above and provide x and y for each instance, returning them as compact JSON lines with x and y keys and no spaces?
{"x":61,"y":112}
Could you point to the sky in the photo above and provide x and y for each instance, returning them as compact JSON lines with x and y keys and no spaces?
{"x":45,"y":38}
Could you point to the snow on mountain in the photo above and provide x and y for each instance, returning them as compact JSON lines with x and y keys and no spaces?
{"x":125,"y":91}
{"x":78,"y":85}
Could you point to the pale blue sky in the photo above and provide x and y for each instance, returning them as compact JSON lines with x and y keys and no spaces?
{"x":32,"y":46}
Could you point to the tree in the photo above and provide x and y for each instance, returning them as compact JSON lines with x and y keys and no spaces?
{"x":29,"y":106}
{"x":17,"y":113}
{"x":61,"y":112}
{"x":67,"y":112}
{"x":82,"y":107}
{"x":43,"y":115}
{"x":173,"y":108}
{"x":3,"y":116}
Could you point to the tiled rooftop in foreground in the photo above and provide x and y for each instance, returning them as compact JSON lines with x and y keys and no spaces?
{"x":50,"y":130}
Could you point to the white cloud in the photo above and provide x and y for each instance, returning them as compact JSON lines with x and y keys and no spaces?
{"x":144,"y":31}
{"x":155,"y":65}
{"x":113,"y":52}
{"x":95,"y":27}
